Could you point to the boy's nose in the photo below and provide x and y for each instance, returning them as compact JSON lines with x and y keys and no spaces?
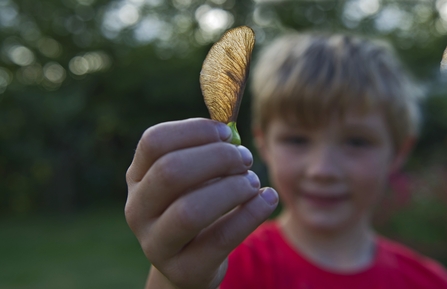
{"x":323,"y":164}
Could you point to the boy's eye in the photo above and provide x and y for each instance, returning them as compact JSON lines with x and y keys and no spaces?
{"x":296,"y":140}
{"x":358,"y":142}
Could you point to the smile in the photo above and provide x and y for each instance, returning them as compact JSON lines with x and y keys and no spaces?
{"x":324,"y":200}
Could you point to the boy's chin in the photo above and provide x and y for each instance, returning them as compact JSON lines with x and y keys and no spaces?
{"x":328,"y":226}
{"x":329,"y":220}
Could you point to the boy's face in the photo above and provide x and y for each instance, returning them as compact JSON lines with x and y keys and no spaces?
{"x":331,"y":177}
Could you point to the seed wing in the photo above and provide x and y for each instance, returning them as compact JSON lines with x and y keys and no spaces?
{"x":225,"y":71}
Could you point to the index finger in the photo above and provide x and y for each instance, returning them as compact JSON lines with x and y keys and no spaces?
{"x":163,"y":138}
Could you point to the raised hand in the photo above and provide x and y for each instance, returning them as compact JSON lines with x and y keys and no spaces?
{"x":192,"y":200}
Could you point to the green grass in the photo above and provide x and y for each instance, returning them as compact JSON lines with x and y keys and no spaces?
{"x":89,"y":250}
{"x":96,"y":249}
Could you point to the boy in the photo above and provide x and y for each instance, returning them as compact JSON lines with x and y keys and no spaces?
{"x":334,"y":116}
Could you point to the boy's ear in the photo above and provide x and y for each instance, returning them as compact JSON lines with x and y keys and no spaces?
{"x":402,"y":154}
{"x":260,"y":142}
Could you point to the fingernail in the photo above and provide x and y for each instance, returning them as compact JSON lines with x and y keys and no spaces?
{"x":247,"y":158}
{"x":224,"y":131}
{"x":253,"y":178}
{"x":270,"y":196}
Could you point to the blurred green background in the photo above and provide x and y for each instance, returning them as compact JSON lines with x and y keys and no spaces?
{"x":80,"y":80}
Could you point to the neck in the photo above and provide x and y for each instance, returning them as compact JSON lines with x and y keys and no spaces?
{"x":347,"y":250}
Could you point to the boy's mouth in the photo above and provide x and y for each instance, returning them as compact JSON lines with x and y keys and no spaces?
{"x":324,"y":200}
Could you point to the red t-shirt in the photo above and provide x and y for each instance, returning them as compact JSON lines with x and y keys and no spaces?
{"x":266,"y":260}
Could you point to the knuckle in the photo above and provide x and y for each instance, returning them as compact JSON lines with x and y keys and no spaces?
{"x":188,"y":216}
{"x":201,"y":125}
{"x":252,"y":216}
{"x":166,"y":169}
{"x":223,"y":239}
{"x":242,"y":183}
{"x":141,"y":231}
{"x":239,"y":185}
{"x":128,"y":214}
{"x":256,"y":212}
{"x":229,"y":157}
{"x":150,"y":249}
{"x":228,"y":151}
{"x":148,"y":140}
{"x":129,"y":178}
{"x":131,"y":216}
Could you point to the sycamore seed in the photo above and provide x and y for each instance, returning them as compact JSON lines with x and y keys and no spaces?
{"x":224,"y":74}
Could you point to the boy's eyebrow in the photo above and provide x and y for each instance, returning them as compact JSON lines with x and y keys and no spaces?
{"x":357,"y":126}
{"x":362,"y":128}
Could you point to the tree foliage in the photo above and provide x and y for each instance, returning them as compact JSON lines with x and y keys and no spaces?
{"x":80,"y":80}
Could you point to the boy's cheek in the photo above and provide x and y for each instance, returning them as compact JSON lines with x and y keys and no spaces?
{"x":369,"y":191}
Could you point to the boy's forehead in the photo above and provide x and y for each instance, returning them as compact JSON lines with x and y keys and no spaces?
{"x":352,"y":118}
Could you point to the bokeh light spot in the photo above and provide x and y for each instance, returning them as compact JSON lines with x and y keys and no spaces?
{"x":391,"y":18}
{"x":89,"y":62}
{"x":54,"y":72}
{"x":49,"y":47}
{"x":181,"y":4}
{"x":129,"y":14}
{"x":263,"y":16}
{"x":213,"y":20}
{"x":31,"y":74}
{"x":356,"y":10}
{"x":78,"y":65}
{"x":441,"y":5}
{"x":369,"y":7}
{"x":183,"y":23}
{"x":21,"y":55}
{"x":148,"y":29}
{"x":153,"y":3}
{"x":5,"y":79}
{"x":8,"y":14}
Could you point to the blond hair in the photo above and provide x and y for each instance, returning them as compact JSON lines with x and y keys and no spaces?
{"x":308,"y":77}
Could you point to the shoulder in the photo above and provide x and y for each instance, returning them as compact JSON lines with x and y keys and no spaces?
{"x":267,"y":233}
{"x":266,"y":241}
{"x":418,"y":270}
{"x":252,"y":263}
{"x":259,"y":245}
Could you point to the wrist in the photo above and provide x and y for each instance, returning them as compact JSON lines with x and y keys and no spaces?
{"x":156,"y":280}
